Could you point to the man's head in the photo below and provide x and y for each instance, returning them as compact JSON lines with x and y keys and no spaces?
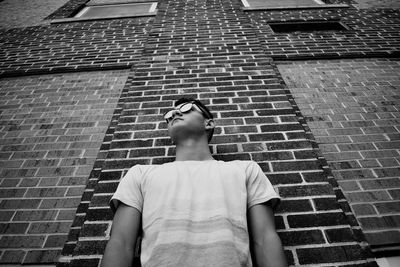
{"x":192,"y":109}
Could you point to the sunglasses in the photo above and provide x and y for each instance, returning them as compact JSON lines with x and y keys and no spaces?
{"x":184,"y":109}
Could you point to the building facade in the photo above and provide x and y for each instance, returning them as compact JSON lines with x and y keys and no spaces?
{"x":309,"y":89}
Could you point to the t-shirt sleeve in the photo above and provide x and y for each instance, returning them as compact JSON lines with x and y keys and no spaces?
{"x":259,"y":188}
{"x":129,"y":190}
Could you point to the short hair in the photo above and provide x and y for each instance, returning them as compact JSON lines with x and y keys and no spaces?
{"x":206,"y":112}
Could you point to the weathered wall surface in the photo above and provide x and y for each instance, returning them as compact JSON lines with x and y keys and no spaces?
{"x":20,"y":13}
{"x":352,"y":108}
{"x":52,"y":127}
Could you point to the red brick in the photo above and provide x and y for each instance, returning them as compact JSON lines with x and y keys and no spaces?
{"x":356,"y":147}
{"x":295,"y":165}
{"x":26,"y":241}
{"x":382,"y":238}
{"x":285,"y":178}
{"x":339,"y":235}
{"x":387,"y":172}
{"x":6,"y":215}
{"x":329,"y":254}
{"x":13,"y":228}
{"x":305,"y":190}
{"x":294,"y":206}
{"x":49,"y":227}
{"x":388,"y":207}
{"x":59,"y":171}
{"x":380,"y":184}
{"x":19,"y":203}
{"x":380,"y":222}
{"x":357,"y":197}
{"x":13,"y":256}
{"x":342,"y":156}
{"x":271,"y":156}
{"x":55,"y":241}
{"x":298,"y":238}
{"x":41,"y":256}
{"x":66,"y":214}
{"x":46,"y":192}
{"x":354,"y":174}
{"x":59,"y":203}
{"x":35,"y":215}
{"x":363,"y":209}
{"x":12,"y":192}
{"x":313,"y":220}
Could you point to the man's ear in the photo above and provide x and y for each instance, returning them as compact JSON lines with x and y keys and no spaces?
{"x":210,"y":124}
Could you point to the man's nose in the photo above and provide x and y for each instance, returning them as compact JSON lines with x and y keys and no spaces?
{"x":176,"y":112}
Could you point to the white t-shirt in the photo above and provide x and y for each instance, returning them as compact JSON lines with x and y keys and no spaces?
{"x":194,"y":212}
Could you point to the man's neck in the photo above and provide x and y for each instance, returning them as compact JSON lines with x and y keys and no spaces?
{"x":196,"y":150}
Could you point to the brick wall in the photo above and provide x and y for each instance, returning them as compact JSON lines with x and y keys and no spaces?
{"x":68,"y":10}
{"x":364,"y":4}
{"x":209,"y":50}
{"x":86,"y":45}
{"x":20,"y":13}
{"x":372,"y":33}
{"x":351,"y":107}
{"x":52,"y":127}
{"x":108,"y":44}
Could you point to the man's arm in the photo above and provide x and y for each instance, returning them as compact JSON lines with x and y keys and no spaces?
{"x":264,"y":241}
{"x":120,"y":248}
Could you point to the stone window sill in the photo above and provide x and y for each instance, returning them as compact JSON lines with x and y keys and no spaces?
{"x":68,"y":20}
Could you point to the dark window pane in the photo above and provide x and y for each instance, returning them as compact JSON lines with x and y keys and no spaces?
{"x":282,"y":3}
{"x":116,"y":10}
{"x":307,"y":26}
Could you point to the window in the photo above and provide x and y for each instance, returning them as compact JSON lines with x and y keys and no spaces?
{"x":282,"y":3}
{"x":114,"y":9}
{"x":286,"y":4}
{"x":307,"y":26}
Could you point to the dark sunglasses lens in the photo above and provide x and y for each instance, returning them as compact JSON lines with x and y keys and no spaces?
{"x":186,"y":107}
{"x":168,"y":115}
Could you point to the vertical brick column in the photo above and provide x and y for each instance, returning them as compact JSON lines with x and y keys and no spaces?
{"x":209,"y":50}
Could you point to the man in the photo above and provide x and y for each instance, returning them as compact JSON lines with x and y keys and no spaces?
{"x":195,"y":211}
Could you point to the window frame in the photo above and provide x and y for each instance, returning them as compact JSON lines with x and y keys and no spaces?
{"x":322,"y":5}
{"x":84,"y":10}
{"x":77,"y":17}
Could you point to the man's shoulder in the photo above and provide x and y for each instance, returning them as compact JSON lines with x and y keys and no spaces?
{"x":146,"y":167}
{"x":233,"y":163}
